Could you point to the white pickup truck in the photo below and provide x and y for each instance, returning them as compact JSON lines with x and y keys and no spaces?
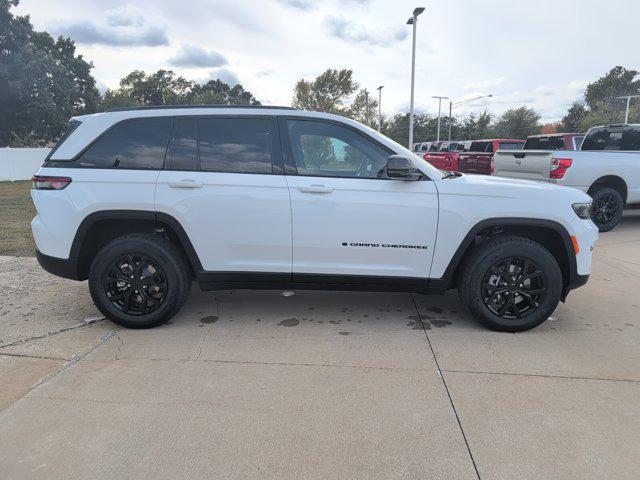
{"x":607,"y":167}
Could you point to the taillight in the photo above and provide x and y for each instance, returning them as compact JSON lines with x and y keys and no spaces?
{"x":50,"y":183}
{"x":559,"y":167}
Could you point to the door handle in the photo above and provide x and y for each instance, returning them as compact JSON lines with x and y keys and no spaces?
{"x":187,"y":183}
{"x":315,"y":188}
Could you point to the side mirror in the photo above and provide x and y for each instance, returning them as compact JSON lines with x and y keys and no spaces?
{"x":401,"y":168}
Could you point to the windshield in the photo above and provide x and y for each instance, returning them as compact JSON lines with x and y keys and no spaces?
{"x":613,"y":138}
{"x":544,"y":143}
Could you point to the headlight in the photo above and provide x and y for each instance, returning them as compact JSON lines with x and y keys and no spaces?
{"x":583,"y":210}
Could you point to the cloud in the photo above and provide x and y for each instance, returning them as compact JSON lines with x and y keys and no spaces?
{"x":265,"y":73}
{"x":224,"y":74}
{"x":484,"y":84}
{"x":543,"y":90}
{"x":578,"y":85}
{"x":195,"y":56}
{"x":299,"y":4}
{"x":350,"y":32}
{"x":122,"y":26}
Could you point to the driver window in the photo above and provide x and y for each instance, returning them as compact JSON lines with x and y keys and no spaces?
{"x":329,"y":150}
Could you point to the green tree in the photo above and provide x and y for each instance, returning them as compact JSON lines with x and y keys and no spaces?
{"x":332,"y":92}
{"x":475,"y":126}
{"x":618,"y":81}
{"x":517,"y":123}
{"x":42,"y":82}
{"x":572,"y":121}
{"x":217,"y":92}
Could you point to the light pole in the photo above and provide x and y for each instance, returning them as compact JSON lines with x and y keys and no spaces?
{"x":413,"y":20}
{"x":628,"y":98}
{"x":380,"y":107}
{"x":439,"y":113}
{"x":453,"y":105}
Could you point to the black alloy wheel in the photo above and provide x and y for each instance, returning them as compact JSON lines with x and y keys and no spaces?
{"x":605,"y":209}
{"x":513,"y":288}
{"x":135,"y":284}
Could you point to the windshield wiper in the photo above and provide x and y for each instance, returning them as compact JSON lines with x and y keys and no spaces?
{"x":451,"y":174}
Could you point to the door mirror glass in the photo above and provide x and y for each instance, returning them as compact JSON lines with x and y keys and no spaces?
{"x":401,"y":168}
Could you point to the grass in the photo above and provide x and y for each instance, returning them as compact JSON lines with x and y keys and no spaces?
{"x":16,"y":212}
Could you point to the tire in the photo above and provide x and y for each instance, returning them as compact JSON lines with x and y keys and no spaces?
{"x":607,"y":208}
{"x":536,"y":273}
{"x":149,"y":262}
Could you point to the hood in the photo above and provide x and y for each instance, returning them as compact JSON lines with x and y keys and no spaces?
{"x":490,"y":186}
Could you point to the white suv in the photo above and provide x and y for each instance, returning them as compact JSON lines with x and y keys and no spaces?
{"x":140,"y":201}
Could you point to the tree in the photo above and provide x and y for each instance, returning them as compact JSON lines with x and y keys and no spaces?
{"x":517,"y":123}
{"x":475,"y":127}
{"x":42,"y":82}
{"x":165,"y":88}
{"x":331,"y":91}
{"x":618,"y":81}
{"x":572,"y":121}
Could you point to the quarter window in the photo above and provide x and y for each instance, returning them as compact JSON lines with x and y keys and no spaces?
{"x":132,"y":144}
{"x":330,"y":150}
{"x":235,"y":145}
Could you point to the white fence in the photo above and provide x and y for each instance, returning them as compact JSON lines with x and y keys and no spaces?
{"x":20,"y":163}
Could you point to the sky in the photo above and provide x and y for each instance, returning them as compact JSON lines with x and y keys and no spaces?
{"x":540,"y":54}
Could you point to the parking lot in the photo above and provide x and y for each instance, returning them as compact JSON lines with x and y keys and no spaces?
{"x":246,"y":384}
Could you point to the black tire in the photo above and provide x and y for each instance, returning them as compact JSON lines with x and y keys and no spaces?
{"x":153,"y":265}
{"x":526,"y":259}
{"x":607,"y":208}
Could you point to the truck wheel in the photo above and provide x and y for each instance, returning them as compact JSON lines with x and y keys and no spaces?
{"x":139,"y":280}
{"x":510,"y":284}
{"x":607,"y":208}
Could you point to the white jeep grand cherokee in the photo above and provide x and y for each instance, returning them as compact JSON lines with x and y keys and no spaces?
{"x":142,"y":200}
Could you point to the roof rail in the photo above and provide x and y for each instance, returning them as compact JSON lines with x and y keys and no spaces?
{"x":167,"y":107}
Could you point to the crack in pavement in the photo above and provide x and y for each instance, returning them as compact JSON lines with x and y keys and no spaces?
{"x":91,"y":321}
{"x":37,"y":357}
{"x":542,"y":375}
{"x":444,"y":382}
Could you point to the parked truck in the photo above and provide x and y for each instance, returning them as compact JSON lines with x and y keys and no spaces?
{"x":478,"y":158}
{"x":554,"y":141}
{"x":447,"y":156}
{"x":607,"y":167}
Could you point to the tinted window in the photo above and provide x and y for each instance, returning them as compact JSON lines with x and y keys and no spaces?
{"x":480,"y":146}
{"x":544,"y":143}
{"x":577,"y":141}
{"x":327,"y":149}
{"x":235,"y":145}
{"x":73,"y":124}
{"x":509,"y":145}
{"x":184,"y":145}
{"x":138,"y":143}
{"x":625,"y":138}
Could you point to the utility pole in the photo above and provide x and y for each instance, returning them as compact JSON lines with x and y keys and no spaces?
{"x":628,"y":98}
{"x":380,"y":107}
{"x":439,"y":113}
{"x":413,"y":20}
{"x":457,"y":104}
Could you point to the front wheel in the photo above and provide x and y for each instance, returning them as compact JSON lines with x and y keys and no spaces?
{"x":139,"y":280}
{"x":511,"y":284}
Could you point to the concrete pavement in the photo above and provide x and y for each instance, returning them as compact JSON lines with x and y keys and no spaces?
{"x":321,"y":384}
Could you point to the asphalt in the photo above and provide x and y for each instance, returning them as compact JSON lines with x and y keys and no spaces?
{"x":245,"y":384}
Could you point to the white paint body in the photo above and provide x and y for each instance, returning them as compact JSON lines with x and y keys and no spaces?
{"x":299,"y":224}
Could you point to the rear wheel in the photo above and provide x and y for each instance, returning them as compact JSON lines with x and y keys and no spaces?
{"x":511,"y":284}
{"x":607,"y":208}
{"x":139,"y":280}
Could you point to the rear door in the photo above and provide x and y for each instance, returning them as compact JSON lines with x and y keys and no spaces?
{"x":527,"y":164}
{"x":223,"y":183}
{"x":349,"y":219}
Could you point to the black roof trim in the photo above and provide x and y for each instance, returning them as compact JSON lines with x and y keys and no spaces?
{"x":171,"y":107}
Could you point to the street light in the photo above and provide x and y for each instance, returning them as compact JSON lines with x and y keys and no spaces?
{"x":380,"y":107}
{"x":453,"y":105}
{"x":628,"y":98}
{"x":439,"y":112}
{"x":413,"y":20}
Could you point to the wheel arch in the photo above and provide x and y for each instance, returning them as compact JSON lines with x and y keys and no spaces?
{"x":100,"y":227}
{"x":611,"y":181}
{"x":550,"y":234}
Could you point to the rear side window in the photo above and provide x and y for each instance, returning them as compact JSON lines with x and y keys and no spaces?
{"x":544,"y":143}
{"x":132,"y":144}
{"x":612,"y":139}
{"x":509,"y":145}
{"x":235,"y":145}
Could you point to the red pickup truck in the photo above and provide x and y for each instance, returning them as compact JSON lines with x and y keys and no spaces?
{"x":554,"y":141}
{"x":478,"y":158}
{"x":446,"y":158}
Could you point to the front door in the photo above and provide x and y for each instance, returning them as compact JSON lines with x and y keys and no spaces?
{"x":222,"y":182}
{"x":348,"y":218}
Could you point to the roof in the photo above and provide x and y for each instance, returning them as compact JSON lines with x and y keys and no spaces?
{"x":554,"y":134}
{"x":173,"y":107}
